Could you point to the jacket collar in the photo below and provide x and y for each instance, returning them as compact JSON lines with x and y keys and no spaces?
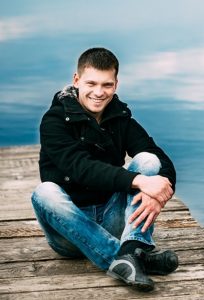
{"x":69,"y":99}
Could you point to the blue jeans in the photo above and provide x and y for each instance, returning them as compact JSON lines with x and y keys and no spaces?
{"x":96,"y":231}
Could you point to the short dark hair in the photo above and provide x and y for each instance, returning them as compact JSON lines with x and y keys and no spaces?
{"x":98,"y":58}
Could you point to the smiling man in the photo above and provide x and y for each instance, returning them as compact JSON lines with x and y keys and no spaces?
{"x":88,"y":204}
{"x":96,"y":89}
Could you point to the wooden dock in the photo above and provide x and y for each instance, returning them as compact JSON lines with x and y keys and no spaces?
{"x":29,"y":269}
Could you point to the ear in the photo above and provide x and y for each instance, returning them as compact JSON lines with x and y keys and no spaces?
{"x":76,"y":80}
{"x":116,"y":83}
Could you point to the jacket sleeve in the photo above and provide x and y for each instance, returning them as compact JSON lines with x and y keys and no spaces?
{"x":75,"y":162}
{"x":138,"y":140}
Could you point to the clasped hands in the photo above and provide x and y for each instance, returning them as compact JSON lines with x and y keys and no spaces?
{"x":155,"y":191}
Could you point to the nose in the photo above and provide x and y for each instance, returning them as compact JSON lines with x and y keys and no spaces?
{"x":98,"y":91}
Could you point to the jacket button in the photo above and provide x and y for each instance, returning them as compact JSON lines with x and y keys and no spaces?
{"x":124,"y":112}
{"x":66,"y":178}
{"x":82,"y":138}
{"x":67,"y":119}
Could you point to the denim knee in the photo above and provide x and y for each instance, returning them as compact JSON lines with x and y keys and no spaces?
{"x":48,"y":194}
{"x":145,"y":163}
{"x":45,"y":188}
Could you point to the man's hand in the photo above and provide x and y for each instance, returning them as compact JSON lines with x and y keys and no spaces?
{"x":157,"y":187}
{"x":148,"y":210}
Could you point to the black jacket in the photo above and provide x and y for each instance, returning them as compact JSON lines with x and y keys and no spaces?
{"x":86,"y":158}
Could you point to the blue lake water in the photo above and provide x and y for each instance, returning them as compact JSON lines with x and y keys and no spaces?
{"x":161,"y":53}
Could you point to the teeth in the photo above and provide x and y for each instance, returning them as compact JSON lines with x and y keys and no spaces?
{"x":97,"y":100}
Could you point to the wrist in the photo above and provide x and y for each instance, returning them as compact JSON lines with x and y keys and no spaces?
{"x":136,"y":183}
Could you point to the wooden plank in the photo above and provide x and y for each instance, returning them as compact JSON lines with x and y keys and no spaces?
{"x":26,"y":249}
{"x":92,"y":280}
{"x":177,"y":219}
{"x":26,"y":228}
{"x":15,"y":199}
{"x":24,"y":214}
{"x":19,"y":151}
{"x":191,"y":256}
{"x":175,"y":204}
{"x":60,"y":265}
{"x":29,"y":162}
{"x":178,"y":223}
{"x":47,"y":268}
{"x":181,"y":243}
{"x":20,"y":229}
{"x":169,"y":233}
{"x":36,"y":248}
{"x":24,"y":185}
{"x":193,"y":291}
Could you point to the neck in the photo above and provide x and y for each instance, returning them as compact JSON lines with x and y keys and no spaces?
{"x":97,"y":116}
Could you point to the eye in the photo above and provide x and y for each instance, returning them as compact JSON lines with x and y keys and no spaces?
{"x":108,"y":85}
{"x":90,"y":83}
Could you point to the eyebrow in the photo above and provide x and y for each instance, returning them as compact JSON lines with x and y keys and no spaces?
{"x":95,"y":82}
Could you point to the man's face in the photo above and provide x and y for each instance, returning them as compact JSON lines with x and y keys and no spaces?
{"x":96,"y":89}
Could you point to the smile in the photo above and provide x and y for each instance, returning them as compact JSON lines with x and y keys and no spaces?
{"x":96,"y":100}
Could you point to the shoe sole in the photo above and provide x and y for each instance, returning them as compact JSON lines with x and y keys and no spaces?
{"x":144,"y":287}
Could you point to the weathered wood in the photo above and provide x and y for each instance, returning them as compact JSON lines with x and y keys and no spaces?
{"x":91,"y":280}
{"x":19,"y":150}
{"x":36,"y":248}
{"x":20,"y":229}
{"x":30,"y":269}
{"x":24,"y":214}
{"x":26,"y":249}
{"x":193,"y":291}
{"x":170,"y":222}
{"x":47,"y":268}
{"x":31,"y":228}
{"x":191,"y":256}
{"x":59,"y":265}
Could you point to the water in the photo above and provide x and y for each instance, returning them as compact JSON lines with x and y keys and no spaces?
{"x":161,"y":53}
{"x":179,"y":132}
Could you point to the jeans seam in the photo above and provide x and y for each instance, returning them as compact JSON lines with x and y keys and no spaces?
{"x":138,"y":239}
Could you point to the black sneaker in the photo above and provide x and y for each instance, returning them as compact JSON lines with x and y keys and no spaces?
{"x":160,"y":262}
{"x":130,"y":268}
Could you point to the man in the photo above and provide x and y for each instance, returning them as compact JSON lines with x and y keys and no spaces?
{"x":88,"y":204}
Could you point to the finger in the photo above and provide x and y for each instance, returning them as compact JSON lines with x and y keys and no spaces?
{"x":136,"y":198}
{"x":141,"y":218}
{"x":164,"y":197}
{"x":137,"y":212}
{"x":161,"y":198}
{"x":168,"y":181}
{"x":171,"y":192}
{"x":149,"y":221}
{"x":168,"y":193}
{"x":163,"y":203}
